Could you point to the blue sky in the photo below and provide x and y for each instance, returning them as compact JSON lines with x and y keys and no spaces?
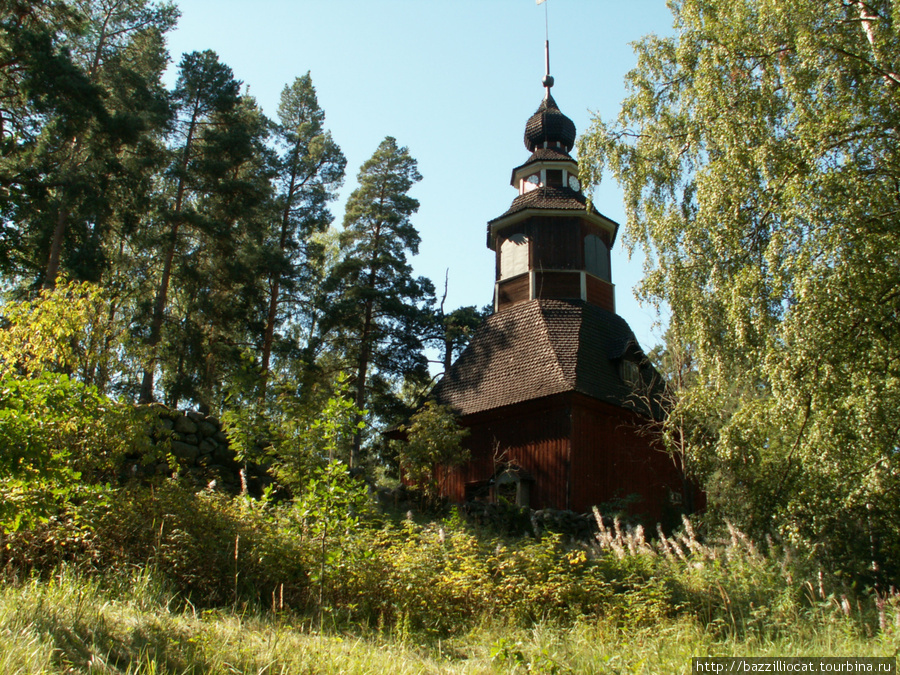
{"x":454,"y":81}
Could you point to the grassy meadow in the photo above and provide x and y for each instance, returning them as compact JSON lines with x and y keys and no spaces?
{"x":72,"y":625}
{"x":168,"y":581}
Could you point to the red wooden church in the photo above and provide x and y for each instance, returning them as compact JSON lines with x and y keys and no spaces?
{"x":548,"y":384}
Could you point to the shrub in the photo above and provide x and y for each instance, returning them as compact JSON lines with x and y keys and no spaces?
{"x":55,"y":432}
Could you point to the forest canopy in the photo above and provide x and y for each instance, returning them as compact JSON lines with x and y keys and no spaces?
{"x":205,"y":224}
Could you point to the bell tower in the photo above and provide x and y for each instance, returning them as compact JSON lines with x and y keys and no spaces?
{"x":553,"y":386}
{"x":551,"y":243}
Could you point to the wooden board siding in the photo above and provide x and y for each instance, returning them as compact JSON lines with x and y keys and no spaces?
{"x":533,"y":436}
{"x":580,"y":452}
{"x":601,"y":293}
{"x":557,"y":285}
{"x":612,"y":460}
{"x":511,"y":291}
{"x":555,"y":243}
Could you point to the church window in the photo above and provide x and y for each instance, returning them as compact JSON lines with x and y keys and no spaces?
{"x":514,"y":256}
{"x":596,"y":257}
{"x":631,"y":373}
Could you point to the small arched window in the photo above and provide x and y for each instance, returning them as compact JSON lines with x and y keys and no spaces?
{"x":596,"y":257}
{"x":514,"y":256}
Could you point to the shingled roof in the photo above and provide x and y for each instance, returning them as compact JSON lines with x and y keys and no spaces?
{"x":548,"y":198}
{"x":547,"y":155}
{"x":540,"y":348}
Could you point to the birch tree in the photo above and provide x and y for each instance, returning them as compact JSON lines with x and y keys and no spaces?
{"x":758,"y":151}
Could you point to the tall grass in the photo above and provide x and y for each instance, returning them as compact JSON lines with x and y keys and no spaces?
{"x":133,"y":625}
{"x":167,"y":581}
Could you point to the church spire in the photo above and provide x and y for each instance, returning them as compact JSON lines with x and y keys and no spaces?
{"x":548,"y":78}
{"x":551,"y":244}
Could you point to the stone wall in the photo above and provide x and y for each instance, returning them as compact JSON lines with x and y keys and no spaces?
{"x":193,"y":446}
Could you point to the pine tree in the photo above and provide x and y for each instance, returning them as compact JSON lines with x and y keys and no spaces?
{"x":205,"y":88}
{"x":213,"y":318}
{"x":379,"y":313}
{"x":83,"y":97}
{"x":310,"y":170}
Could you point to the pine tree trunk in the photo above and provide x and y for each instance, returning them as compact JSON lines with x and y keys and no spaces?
{"x":159,"y":309}
{"x":56,"y":243}
{"x":162,"y":293}
{"x":275,"y":286}
{"x":269,"y":337}
{"x":361,"y":372}
{"x":365,"y":348}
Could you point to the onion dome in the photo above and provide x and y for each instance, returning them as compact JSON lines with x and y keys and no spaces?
{"x":548,"y":125}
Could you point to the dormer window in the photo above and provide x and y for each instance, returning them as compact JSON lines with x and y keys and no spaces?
{"x":631,"y":373}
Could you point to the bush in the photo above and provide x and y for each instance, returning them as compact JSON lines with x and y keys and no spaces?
{"x":211,"y":549}
{"x":438,"y":579}
{"x":54,"y":433}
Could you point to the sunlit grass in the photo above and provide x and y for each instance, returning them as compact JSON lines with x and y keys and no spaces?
{"x":131,"y":625}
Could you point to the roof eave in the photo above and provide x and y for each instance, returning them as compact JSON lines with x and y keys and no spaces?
{"x":594,"y":217}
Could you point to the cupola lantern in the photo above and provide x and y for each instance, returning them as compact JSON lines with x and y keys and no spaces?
{"x":551,"y":243}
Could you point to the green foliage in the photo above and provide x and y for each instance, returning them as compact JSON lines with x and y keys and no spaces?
{"x":760,"y":183}
{"x":330,"y":509}
{"x":54,"y":433}
{"x":324,"y":559}
{"x":207,"y":549}
{"x":216,"y":191}
{"x":432,"y":447}
{"x":71,"y":328}
{"x":57,"y":431}
{"x":310,"y":169}
{"x":84,"y":100}
{"x":295,"y":434}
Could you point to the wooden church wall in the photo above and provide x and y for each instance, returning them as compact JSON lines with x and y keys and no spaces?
{"x":579,"y":452}
{"x":611,"y":460}
{"x":555,"y":243}
{"x":601,"y":293}
{"x":557,"y":285}
{"x":511,"y":291}
{"x":535,"y":438}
